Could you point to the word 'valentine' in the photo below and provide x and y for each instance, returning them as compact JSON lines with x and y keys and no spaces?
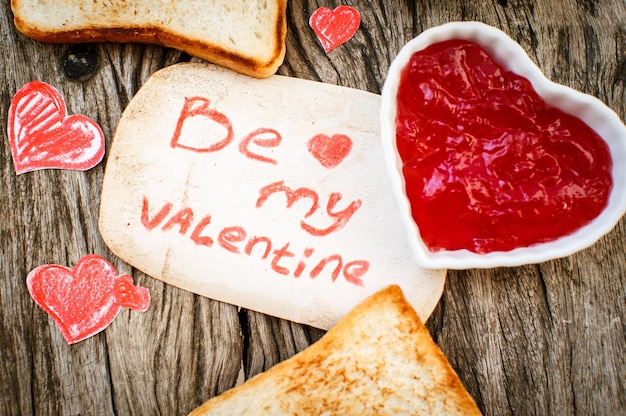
{"x":236,"y":239}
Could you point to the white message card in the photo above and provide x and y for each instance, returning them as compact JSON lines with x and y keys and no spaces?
{"x":270,"y":194}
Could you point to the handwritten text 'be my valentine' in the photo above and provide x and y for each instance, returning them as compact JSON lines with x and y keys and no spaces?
{"x":236,"y":239}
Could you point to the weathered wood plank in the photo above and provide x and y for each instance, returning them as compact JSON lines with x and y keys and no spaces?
{"x":158,"y":362}
{"x":513,"y":334}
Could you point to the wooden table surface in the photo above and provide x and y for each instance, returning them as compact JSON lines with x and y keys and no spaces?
{"x":539,"y":339}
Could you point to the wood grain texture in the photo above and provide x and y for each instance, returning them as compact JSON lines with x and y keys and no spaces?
{"x":537,"y":339}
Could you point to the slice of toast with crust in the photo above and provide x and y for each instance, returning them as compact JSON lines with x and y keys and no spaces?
{"x":378,"y":360}
{"x":246,"y":36}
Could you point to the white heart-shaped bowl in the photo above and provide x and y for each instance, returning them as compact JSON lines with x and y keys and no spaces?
{"x":511,"y":56}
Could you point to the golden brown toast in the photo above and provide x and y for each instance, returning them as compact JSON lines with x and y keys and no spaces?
{"x":245,"y":36}
{"x":378,"y":360}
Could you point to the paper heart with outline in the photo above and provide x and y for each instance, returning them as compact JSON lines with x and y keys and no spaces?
{"x":42,"y":135}
{"x":335,"y":27}
{"x":85,"y":300}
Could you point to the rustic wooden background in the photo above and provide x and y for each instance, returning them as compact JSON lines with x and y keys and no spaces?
{"x":539,"y":339}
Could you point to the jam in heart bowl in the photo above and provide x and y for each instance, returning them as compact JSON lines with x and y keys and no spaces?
{"x":493,"y":164}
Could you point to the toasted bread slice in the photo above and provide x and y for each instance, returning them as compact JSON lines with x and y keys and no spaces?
{"x":246,"y":36}
{"x":378,"y":360}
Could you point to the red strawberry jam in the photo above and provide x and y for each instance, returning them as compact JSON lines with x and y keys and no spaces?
{"x":489,"y":166}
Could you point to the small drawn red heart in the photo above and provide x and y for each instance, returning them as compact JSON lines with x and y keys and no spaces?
{"x":335,"y":27}
{"x":330,"y":150}
{"x":43,"y":136}
{"x":85,"y":300}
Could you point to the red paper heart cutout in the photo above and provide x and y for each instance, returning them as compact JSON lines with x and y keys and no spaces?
{"x":330,"y":150}
{"x":335,"y":27}
{"x":85,"y":300}
{"x":488,"y":165}
{"x":42,"y":135}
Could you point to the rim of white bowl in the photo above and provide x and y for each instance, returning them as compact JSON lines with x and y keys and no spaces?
{"x":511,"y":56}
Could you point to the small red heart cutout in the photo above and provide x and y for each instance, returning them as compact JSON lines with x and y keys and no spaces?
{"x":43,"y":136}
{"x":85,"y":300}
{"x":330,"y":150}
{"x":335,"y":27}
